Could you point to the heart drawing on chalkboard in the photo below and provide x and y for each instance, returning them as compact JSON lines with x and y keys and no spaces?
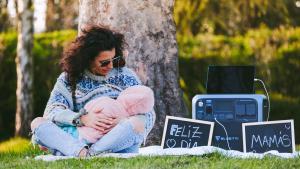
{"x":287,"y":126}
{"x":171,"y":143}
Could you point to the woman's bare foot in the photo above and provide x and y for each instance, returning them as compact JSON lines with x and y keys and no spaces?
{"x":83,"y":152}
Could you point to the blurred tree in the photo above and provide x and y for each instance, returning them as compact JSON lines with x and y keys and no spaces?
{"x":188,"y":15}
{"x":293,"y":7}
{"x":61,"y":14}
{"x":24,"y":64}
{"x":150,"y":32}
{"x":4,"y":17}
{"x":232,"y":17}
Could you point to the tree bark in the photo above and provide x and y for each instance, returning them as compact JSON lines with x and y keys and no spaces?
{"x":24,"y":64}
{"x":150,"y":32}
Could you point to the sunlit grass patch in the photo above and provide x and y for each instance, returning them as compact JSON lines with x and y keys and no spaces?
{"x":16,"y":145}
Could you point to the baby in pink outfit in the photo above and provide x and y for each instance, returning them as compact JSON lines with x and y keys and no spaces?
{"x":132,"y":101}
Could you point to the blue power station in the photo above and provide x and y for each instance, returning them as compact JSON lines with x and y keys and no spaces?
{"x":229,"y":111}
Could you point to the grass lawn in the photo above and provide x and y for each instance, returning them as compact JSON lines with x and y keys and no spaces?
{"x":18,"y":153}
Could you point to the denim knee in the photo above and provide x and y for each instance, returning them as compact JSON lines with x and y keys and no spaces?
{"x":132,"y":126}
{"x":149,"y":120}
{"x":34,"y":139}
{"x":136,"y":138}
{"x":57,"y":141}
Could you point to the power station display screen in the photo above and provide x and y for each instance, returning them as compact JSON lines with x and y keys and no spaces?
{"x":223,"y":106}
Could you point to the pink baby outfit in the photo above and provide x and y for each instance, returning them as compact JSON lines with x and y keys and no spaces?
{"x":131,"y":101}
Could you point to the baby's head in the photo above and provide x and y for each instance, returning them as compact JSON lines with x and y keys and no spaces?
{"x":137,"y":99}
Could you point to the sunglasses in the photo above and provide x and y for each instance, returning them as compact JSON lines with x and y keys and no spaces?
{"x":104,"y":63}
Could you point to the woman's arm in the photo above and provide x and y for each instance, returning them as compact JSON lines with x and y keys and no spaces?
{"x":59,"y":108}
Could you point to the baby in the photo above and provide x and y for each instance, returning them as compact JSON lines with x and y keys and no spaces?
{"x":132,"y":101}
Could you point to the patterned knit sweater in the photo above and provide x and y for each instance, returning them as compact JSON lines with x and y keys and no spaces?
{"x":60,"y":108}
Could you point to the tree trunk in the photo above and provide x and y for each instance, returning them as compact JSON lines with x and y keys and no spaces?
{"x":150,"y":32}
{"x":24,"y":64}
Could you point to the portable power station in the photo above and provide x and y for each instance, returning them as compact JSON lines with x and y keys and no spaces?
{"x":229,"y":110}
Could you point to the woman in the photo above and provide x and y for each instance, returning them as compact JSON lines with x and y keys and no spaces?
{"x":93,"y":66}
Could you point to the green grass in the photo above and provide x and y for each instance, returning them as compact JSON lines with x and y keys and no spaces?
{"x":18,"y":153}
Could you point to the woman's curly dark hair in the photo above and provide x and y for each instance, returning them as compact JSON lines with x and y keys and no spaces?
{"x":83,"y":50}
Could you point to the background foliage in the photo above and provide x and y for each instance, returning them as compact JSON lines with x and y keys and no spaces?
{"x":264,"y":33}
{"x":47,"y":50}
{"x":233,"y":17}
{"x":275,"y":53}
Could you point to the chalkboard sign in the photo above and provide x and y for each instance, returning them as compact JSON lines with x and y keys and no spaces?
{"x":260,"y":137}
{"x":186,"y":133}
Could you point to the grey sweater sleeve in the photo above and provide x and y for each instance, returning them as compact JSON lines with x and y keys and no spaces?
{"x":60,"y":105}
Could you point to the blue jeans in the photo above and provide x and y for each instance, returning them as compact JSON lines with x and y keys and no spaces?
{"x":121,"y":139}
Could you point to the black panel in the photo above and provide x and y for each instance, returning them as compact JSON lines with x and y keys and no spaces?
{"x":266,"y":137}
{"x":186,"y":134}
{"x":230,"y":80}
{"x":235,"y":138}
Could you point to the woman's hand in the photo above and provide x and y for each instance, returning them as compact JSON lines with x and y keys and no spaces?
{"x":115,"y":121}
{"x":98,"y":121}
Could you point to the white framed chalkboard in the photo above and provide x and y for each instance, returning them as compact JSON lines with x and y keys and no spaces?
{"x":260,"y":137}
{"x":186,"y":133}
